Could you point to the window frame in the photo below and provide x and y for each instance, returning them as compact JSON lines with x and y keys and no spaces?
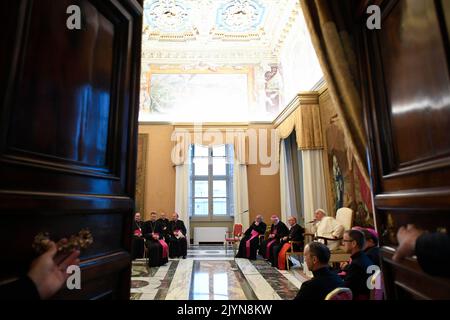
{"x":228,"y":177}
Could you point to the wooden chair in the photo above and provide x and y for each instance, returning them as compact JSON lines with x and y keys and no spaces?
{"x":340,"y":294}
{"x":233,"y":237}
{"x":291,"y":252}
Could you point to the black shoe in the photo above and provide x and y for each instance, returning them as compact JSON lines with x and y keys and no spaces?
{"x":184,"y":257}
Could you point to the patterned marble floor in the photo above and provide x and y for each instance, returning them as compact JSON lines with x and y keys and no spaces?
{"x":209,"y":273}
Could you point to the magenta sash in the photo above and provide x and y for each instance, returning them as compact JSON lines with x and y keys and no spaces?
{"x":164,"y":245}
{"x":253,"y":235}
{"x":165,"y":248}
{"x":269,"y":244}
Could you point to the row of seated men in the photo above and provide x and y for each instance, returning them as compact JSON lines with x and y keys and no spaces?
{"x":361,"y":243}
{"x":162,"y":238}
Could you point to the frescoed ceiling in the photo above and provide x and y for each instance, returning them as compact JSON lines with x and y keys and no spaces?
{"x":229,"y":31}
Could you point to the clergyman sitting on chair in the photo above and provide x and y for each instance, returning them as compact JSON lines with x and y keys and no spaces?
{"x":250,"y":242}
{"x":296,"y":234}
{"x":327,"y":227}
{"x":278,"y":230}
{"x":137,"y":247}
{"x":317,"y":257}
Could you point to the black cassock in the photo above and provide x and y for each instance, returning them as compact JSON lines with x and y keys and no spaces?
{"x":177,"y":247}
{"x":155,"y":249}
{"x":296,"y":233}
{"x":165,"y":227}
{"x":137,"y":248}
{"x":254,"y":241}
{"x":280,"y":230}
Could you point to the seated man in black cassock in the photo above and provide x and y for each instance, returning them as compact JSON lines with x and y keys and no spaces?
{"x":250,"y":242}
{"x":296,"y":233}
{"x":165,"y":225}
{"x":137,"y":247}
{"x":158,"y":249}
{"x":177,"y":241}
{"x":317,"y":256}
{"x":278,"y":230}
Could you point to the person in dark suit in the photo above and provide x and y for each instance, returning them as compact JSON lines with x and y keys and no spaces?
{"x":371,"y":247}
{"x":357,"y":271}
{"x":431,"y":248}
{"x":249,"y":244}
{"x":278,"y":230}
{"x":317,"y":256}
{"x":177,"y":240}
{"x":296,"y":233}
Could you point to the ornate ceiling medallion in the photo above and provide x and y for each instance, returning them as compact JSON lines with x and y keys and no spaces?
{"x":239,"y":20}
{"x":168,"y":20}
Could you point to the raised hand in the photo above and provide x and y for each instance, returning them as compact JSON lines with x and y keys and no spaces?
{"x":48,"y":271}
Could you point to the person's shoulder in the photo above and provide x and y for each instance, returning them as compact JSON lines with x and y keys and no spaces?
{"x":361,"y":261}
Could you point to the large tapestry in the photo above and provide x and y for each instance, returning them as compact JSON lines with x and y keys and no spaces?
{"x":140,"y":173}
{"x":348,"y":189}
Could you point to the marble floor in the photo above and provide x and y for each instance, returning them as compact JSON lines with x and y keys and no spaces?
{"x":209,"y":273}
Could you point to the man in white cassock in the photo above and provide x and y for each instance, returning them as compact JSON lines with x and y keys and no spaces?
{"x":327,"y":227}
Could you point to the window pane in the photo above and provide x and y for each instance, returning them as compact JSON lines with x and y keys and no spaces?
{"x":200,"y":151}
{"x":219,"y":151}
{"x":220,"y":206}
{"x":201,"y":166}
{"x":219,"y":167}
{"x":219,"y":188}
{"x":201,"y":188}
{"x":201,"y":207}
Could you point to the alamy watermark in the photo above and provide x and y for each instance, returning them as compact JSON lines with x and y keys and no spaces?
{"x":73,"y":22}
{"x":374,"y":20}
{"x":73,"y":282}
{"x":251,"y":145}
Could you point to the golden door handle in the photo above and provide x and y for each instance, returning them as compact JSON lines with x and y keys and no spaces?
{"x":82,"y":240}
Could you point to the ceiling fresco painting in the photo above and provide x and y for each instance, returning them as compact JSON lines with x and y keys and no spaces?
{"x":182,"y":37}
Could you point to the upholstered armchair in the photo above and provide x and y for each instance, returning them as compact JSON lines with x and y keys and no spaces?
{"x":233,"y":237}
{"x":345,"y":217}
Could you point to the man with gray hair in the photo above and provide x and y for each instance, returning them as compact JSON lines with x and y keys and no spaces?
{"x":327,"y":227}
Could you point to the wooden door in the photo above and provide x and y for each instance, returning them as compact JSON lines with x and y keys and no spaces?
{"x":68,"y":129}
{"x":406,"y":91}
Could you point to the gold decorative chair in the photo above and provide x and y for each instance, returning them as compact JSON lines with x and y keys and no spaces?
{"x":340,"y":294}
